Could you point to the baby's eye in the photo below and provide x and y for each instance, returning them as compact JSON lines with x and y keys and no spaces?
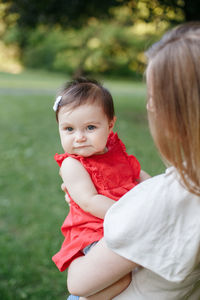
{"x":69,"y":129}
{"x":91,"y":127}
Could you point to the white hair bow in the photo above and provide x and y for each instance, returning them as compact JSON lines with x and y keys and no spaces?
{"x":56,"y":103}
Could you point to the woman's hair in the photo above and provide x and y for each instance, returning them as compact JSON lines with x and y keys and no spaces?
{"x":81,"y":91}
{"x":174,"y":81}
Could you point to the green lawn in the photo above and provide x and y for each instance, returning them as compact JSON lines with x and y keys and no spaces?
{"x":32,"y":207}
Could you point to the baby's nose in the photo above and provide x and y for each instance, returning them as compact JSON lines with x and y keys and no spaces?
{"x":80,"y":136}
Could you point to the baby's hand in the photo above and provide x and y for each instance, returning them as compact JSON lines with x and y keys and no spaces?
{"x":143,"y":176}
{"x":63,"y":188}
{"x":67,"y":198}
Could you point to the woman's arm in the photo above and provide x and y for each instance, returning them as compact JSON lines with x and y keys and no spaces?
{"x":111,"y":291}
{"x":82,"y":190}
{"x":100,"y":268}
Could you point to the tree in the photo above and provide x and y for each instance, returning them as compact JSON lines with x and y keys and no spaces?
{"x":85,"y":36}
{"x":190,"y":8}
{"x":67,"y":13}
{"x":75,"y":13}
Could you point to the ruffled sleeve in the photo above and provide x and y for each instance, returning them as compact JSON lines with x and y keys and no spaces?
{"x":60,"y":157}
{"x":113,"y":141}
{"x":156,"y":225}
{"x":135,"y":166}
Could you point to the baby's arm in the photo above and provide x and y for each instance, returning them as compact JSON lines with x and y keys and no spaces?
{"x":82,"y":190}
{"x":143,"y":176}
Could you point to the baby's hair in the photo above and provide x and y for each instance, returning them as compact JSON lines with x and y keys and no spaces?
{"x":174,"y":82}
{"x":83,"y":90}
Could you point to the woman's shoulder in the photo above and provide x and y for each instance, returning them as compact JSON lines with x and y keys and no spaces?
{"x":158,"y":228}
{"x":160,"y":195}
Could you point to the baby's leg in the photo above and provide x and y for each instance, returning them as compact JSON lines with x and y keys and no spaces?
{"x":85,"y":251}
{"x":111,"y":291}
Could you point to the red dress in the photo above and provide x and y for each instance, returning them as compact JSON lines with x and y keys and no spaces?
{"x":113,"y":173}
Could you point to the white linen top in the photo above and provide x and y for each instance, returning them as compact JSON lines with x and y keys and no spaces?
{"x":157,"y":225}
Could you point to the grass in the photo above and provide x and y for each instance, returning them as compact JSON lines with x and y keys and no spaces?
{"x":32,"y":206}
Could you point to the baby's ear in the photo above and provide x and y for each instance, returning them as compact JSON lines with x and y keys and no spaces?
{"x":112,"y":123}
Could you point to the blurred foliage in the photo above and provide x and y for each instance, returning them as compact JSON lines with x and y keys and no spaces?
{"x":83,"y":37}
{"x":110,"y":47}
{"x":67,"y":13}
{"x":189,"y":8}
{"x":71,"y":13}
{"x":105,"y":48}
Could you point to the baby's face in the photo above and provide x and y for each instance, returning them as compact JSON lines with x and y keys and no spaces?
{"x":84,"y":130}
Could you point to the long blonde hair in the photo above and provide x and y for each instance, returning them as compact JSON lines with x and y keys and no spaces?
{"x":174,"y":68}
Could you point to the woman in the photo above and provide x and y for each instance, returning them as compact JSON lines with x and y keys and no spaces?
{"x":155,"y":230}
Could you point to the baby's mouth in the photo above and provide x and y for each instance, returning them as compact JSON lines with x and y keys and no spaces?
{"x":82,"y":146}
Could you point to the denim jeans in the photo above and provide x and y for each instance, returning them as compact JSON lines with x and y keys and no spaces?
{"x":72,"y":297}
